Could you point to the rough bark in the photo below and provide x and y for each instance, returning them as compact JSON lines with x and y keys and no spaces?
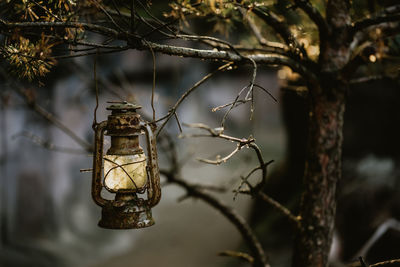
{"x":325,"y":137}
{"x":322,"y":172}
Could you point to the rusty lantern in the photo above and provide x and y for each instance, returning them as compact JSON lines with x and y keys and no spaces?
{"x":128,"y":173}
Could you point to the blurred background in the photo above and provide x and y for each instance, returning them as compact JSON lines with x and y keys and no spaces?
{"x":48,"y":216}
{"x":49,"y":219}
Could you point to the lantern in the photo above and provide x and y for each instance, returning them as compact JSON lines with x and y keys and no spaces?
{"x":125,"y":170}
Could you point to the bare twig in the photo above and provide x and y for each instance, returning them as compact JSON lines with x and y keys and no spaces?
{"x":154,"y":84}
{"x":280,"y":208}
{"x":100,"y":6}
{"x":268,"y":59}
{"x":247,"y":97}
{"x":53,"y":120}
{"x":220,"y":160}
{"x":96,"y":88}
{"x":238,"y":103}
{"x":186,"y":94}
{"x":46,"y":10}
{"x":251,"y":91}
{"x":155,"y":19}
{"x":67,"y":24}
{"x":265,"y":90}
{"x":390,"y":14}
{"x":257,"y":33}
{"x":362,"y":262}
{"x":368,"y":79}
{"x":386,"y":263}
{"x":47,"y":145}
{"x":132,"y":18}
{"x":233,"y":217}
{"x":379,"y":232}
{"x":263,"y":59}
{"x":260,"y":167}
{"x":209,"y":38}
{"x":233,"y":105}
{"x":178,"y":122}
{"x":281,"y":28}
{"x":196,"y":191}
{"x":315,"y":16}
{"x":237,"y":254}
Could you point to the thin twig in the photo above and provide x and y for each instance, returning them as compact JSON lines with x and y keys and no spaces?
{"x":260,"y":167}
{"x":237,"y":254}
{"x":53,"y":120}
{"x":386,"y":263}
{"x":257,"y":33}
{"x":47,"y":145}
{"x":158,"y":21}
{"x":233,"y":217}
{"x":315,"y":16}
{"x":220,"y":160}
{"x":186,"y":94}
{"x":46,"y":10}
{"x":265,"y":90}
{"x":107,"y":15}
{"x":389,"y":14}
{"x":172,"y":176}
{"x":154,"y":83}
{"x":232,"y":106}
{"x":238,"y":103}
{"x":281,"y":28}
{"x":280,"y":208}
{"x":118,"y":12}
{"x":269,"y":59}
{"x":362,"y":262}
{"x":177,"y":122}
{"x":96,"y":88}
{"x":132,"y":19}
{"x":251,"y":91}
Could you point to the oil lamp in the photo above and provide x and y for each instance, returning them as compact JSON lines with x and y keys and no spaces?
{"x":125,"y":170}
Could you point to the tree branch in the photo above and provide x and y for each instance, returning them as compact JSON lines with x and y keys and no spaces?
{"x":386,"y":263}
{"x":53,"y":120}
{"x":266,"y":59}
{"x":186,"y":94}
{"x":280,"y":208}
{"x":260,"y":59}
{"x":48,"y":145}
{"x":281,"y":28}
{"x":237,"y":254}
{"x":257,"y":33}
{"x":315,"y":16}
{"x":390,"y":14}
{"x":4,"y":25}
{"x":237,"y":220}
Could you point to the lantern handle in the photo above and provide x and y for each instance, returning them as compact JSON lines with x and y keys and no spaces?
{"x":98,"y":163}
{"x":154,"y":190}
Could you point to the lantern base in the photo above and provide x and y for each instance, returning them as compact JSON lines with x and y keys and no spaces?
{"x":129,"y":216}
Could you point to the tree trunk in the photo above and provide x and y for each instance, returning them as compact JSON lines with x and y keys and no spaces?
{"x":322,"y":172}
{"x":325,"y":138}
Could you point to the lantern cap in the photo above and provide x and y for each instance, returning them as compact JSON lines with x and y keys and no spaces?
{"x":122,"y":106}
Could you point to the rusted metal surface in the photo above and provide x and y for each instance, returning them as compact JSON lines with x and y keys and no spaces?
{"x":123,"y":121}
{"x":128,"y":213}
{"x":97,"y":164}
{"x":128,"y":210}
{"x":154,"y":190}
{"x":124,"y":145}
